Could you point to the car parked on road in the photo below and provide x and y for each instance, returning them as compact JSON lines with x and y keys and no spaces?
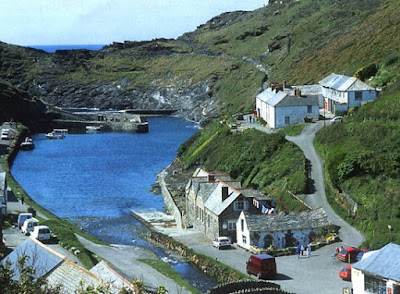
{"x":345,"y":273}
{"x":360,"y":254}
{"x":29,"y":225}
{"x":22,"y":217}
{"x":348,"y":254}
{"x":222,"y":242}
{"x":261,"y":265}
{"x":337,"y":119}
{"x":42,"y":233}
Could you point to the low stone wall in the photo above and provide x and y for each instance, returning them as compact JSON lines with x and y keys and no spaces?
{"x":246,"y":287}
{"x":169,"y":201}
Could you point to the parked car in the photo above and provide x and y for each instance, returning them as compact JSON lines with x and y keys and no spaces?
{"x":29,"y":225}
{"x":337,"y":119}
{"x":348,"y":254}
{"x":345,"y":273}
{"x":261,"y":265}
{"x":22,"y":217}
{"x":42,"y":233}
{"x":222,"y":242}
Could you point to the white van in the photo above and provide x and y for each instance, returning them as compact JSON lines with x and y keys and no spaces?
{"x":42,"y":233}
{"x":22,"y":217}
{"x":28,"y":225}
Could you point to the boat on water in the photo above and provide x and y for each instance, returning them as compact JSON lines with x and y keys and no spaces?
{"x":60,"y":131}
{"x":54,"y":135}
{"x":27,"y":144}
{"x":93,"y":128}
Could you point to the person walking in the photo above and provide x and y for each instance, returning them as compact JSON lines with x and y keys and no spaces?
{"x":22,"y":199}
{"x":309,"y":250}
{"x":298,"y":251}
{"x":302,"y":250}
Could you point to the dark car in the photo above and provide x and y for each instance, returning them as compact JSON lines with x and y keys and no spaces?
{"x":348,"y":254}
{"x":261,"y":265}
{"x":360,"y":255}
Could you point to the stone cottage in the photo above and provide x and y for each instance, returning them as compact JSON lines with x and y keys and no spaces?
{"x":214,"y":202}
{"x":279,"y":230}
{"x":341,"y":92}
{"x":281,"y":109}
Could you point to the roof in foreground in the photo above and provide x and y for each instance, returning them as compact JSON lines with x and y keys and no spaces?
{"x":271,"y":223}
{"x":384,"y":263}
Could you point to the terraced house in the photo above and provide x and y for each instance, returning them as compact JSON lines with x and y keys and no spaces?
{"x":214,"y":202}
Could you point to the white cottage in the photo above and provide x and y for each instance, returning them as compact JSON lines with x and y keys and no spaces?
{"x":379,"y":272}
{"x":341,"y":92}
{"x":3,"y":193}
{"x":279,"y":230}
{"x":280,"y":109}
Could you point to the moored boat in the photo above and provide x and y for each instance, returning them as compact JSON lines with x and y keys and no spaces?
{"x":54,"y":135}
{"x":27,"y":144}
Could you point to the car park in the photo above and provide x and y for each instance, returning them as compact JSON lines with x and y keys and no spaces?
{"x":348,"y":254}
{"x":29,"y":225}
{"x":345,"y":273}
{"x":222,"y":242}
{"x":41,"y":233}
{"x":337,"y":119}
{"x":261,"y":265}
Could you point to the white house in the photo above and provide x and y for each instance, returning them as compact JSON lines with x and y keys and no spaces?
{"x":342,"y":92}
{"x":379,"y":272}
{"x":3,"y":194}
{"x":280,"y":109}
{"x":279,"y":230}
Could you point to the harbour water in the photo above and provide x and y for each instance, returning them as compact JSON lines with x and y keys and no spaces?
{"x":94,"y":180}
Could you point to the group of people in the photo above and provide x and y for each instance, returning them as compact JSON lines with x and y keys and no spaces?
{"x":300,"y":249}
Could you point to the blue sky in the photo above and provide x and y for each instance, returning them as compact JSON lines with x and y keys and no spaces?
{"x":59,"y":22}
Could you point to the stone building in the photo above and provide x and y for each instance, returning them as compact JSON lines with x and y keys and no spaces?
{"x":214,"y":202}
{"x":279,"y":230}
{"x":3,"y":194}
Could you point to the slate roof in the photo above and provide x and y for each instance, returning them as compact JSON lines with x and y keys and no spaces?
{"x":344,"y":83}
{"x":384,"y":263}
{"x":39,"y":256}
{"x":214,"y":202}
{"x":271,"y":223}
{"x":283,"y":99}
{"x":104,"y":271}
{"x":254,"y":193}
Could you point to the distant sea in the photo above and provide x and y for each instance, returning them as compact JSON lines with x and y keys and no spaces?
{"x":53,"y":48}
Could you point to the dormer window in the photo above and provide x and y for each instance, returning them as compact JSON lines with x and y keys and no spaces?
{"x":240,"y":204}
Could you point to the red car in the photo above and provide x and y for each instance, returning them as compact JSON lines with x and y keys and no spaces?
{"x":345,"y":273}
{"x":348,"y":254}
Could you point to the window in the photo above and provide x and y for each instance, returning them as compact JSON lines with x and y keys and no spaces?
{"x":208,"y":220}
{"x":244,"y":239}
{"x":240,"y":204}
{"x":242,"y":224}
{"x":287,"y":120}
{"x":374,"y":285}
{"x":358,"y":95}
{"x":309,"y":108}
{"x":232,"y":225}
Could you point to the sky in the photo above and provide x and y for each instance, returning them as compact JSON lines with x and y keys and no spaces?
{"x":67,"y":22}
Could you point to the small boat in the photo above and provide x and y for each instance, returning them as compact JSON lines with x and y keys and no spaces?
{"x":60,"y":131}
{"x":27,"y":144}
{"x":54,"y":135}
{"x":93,"y":128}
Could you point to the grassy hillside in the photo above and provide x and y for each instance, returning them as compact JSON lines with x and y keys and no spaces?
{"x":267,"y":162}
{"x":362,"y":158}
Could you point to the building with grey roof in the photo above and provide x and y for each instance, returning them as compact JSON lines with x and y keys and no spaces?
{"x":279,"y":230}
{"x":61,"y":272}
{"x":379,"y":272}
{"x":214,"y":202}
{"x":341,"y":92}
{"x":280,"y":109}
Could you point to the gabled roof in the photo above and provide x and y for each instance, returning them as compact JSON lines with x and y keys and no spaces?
{"x":104,"y":271}
{"x":344,"y":83}
{"x":39,"y":257}
{"x":283,"y":99}
{"x":271,"y":223}
{"x":214,"y":202}
{"x":383,"y":263}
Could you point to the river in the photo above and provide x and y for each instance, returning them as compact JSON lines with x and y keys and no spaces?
{"x":94,"y":180}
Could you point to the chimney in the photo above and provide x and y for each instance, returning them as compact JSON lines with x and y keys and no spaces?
{"x":296,"y":92}
{"x":211,"y":177}
{"x":224,"y":192}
